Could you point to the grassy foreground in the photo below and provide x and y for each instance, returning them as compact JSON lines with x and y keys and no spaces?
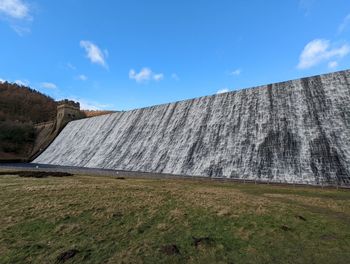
{"x":86,"y":219}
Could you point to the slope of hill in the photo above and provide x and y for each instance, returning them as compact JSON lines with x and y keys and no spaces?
{"x":20,"y":108}
{"x":23,"y":104}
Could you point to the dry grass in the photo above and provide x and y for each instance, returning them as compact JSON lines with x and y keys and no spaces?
{"x":128,"y":221}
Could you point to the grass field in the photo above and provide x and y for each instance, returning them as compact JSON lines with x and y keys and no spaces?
{"x":87,"y":219}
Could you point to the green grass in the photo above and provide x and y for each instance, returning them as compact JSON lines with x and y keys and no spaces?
{"x":130,"y":221}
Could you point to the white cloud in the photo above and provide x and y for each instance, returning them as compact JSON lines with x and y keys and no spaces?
{"x":332,"y":64}
{"x":71,"y":66}
{"x":17,"y":14}
{"x":14,"y":8}
{"x":145,"y":74}
{"x":225,"y":90}
{"x":2,"y":80}
{"x":344,"y":24}
{"x":320,"y":50}
{"x":82,"y":77}
{"x":22,"y":82}
{"x":175,"y":77}
{"x":158,"y":77}
{"x":306,"y":5}
{"x":236,"y":72}
{"x":48,"y":85}
{"x":21,"y":31}
{"x":94,"y":53}
{"x":87,"y":104}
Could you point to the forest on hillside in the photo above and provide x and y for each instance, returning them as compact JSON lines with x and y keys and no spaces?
{"x":23,"y":104}
{"x":20,"y":108}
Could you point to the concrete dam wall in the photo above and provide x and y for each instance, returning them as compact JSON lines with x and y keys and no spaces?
{"x":294,"y":131}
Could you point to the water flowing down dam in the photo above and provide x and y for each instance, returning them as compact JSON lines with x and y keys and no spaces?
{"x":295,"y":131}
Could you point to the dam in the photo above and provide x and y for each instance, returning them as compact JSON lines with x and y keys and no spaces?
{"x":292,"y":132}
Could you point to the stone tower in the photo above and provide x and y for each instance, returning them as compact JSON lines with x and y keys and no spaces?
{"x":67,"y":111}
{"x":46,"y":132}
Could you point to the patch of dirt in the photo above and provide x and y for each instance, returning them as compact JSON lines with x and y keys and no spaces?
{"x":177,"y":214}
{"x":170,"y":250}
{"x":120,"y":178}
{"x":328,"y":237}
{"x":37,"y":174}
{"x":162,"y":227}
{"x":223,"y":212}
{"x":200,"y":241}
{"x":223,"y":201}
{"x":286,"y":228}
{"x":117,"y":215}
{"x":243,"y":233}
{"x":64,"y":256}
{"x":67,"y":228}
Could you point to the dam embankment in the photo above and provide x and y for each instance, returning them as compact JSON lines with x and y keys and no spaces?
{"x":294,"y":131}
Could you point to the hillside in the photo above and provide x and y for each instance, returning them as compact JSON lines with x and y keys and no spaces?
{"x":20,"y":108}
{"x":23,"y":104}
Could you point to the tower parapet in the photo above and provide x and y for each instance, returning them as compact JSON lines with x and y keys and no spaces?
{"x":67,"y":111}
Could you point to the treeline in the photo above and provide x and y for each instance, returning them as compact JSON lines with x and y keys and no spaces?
{"x":16,"y":136}
{"x":20,"y":108}
{"x":23,"y":104}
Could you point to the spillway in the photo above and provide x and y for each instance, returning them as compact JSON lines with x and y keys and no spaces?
{"x":295,"y":132}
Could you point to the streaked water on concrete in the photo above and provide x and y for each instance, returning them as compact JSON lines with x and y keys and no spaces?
{"x":295,"y":131}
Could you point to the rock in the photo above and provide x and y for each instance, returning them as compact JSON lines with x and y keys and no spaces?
{"x":63,"y":257}
{"x":300,"y":217}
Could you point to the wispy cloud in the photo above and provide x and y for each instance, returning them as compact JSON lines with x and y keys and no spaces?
{"x":48,"y":85}
{"x":87,"y":104}
{"x":21,"y":30}
{"x":225,"y":90}
{"x":146,"y":74}
{"x":17,"y":14}
{"x":158,"y":77}
{"x":82,"y":77}
{"x":321,"y":50}
{"x":175,"y":77}
{"x":344,"y":24}
{"x":22,"y":82}
{"x":332,"y":64}
{"x":71,"y":66}
{"x":94,"y":53}
{"x":143,"y":75}
{"x":235,"y":72}
{"x":306,"y":5}
{"x":18,"y":82}
{"x":14,"y":8}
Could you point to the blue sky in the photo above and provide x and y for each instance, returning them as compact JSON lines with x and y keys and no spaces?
{"x":128,"y":54}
